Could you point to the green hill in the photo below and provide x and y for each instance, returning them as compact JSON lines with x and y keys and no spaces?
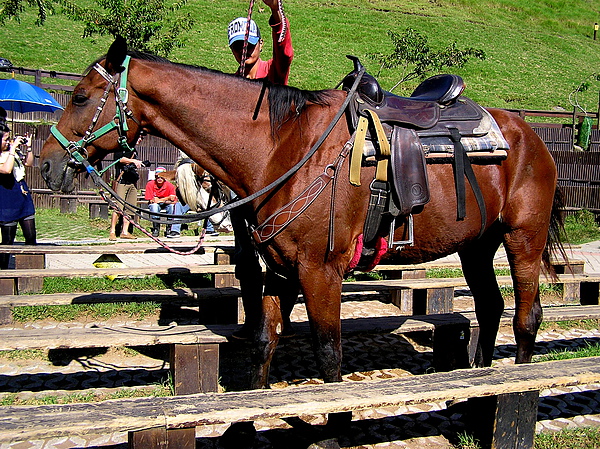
{"x":537,"y":51}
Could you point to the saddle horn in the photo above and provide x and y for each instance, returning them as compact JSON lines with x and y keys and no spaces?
{"x":368,"y":85}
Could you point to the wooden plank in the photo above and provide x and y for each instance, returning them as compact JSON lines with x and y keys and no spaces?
{"x":102,"y":337}
{"x":179,"y":295}
{"x":23,"y":423}
{"x":99,"y":272}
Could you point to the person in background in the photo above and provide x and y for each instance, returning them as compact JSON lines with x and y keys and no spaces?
{"x":127,"y":177}
{"x":16,"y":204}
{"x":161,"y":197}
{"x":276,"y":70}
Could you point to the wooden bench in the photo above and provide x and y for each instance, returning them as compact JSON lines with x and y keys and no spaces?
{"x":98,"y":207}
{"x":194,"y":348}
{"x":435,"y":295}
{"x":34,"y":257}
{"x":427,"y":296}
{"x":504,"y":401}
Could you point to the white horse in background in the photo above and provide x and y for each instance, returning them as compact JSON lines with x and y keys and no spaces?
{"x":194,"y":185}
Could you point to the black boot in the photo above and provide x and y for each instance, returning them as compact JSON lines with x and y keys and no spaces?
{"x":29,"y":231}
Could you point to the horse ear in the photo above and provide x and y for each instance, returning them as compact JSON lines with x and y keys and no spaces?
{"x":116,"y":55}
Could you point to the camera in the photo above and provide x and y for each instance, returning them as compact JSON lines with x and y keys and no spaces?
{"x":146,"y":164}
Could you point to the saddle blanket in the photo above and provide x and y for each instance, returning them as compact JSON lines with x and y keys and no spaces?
{"x":491,"y":139}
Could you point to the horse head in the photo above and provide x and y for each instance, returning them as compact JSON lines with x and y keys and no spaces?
{"x":98,"y":120}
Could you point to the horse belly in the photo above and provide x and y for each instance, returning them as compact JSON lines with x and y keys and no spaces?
{"x":437,"y":231}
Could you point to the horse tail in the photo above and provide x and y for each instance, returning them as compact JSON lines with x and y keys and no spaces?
{"x":556,"y":234}
{"x":187,"y":184}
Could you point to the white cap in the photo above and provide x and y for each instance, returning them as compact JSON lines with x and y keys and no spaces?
{"x":236,"y":31}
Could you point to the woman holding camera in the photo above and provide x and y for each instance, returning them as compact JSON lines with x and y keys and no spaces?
{"x":16,"y":204}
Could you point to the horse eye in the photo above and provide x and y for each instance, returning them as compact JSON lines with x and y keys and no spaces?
{"x":79,"y":99}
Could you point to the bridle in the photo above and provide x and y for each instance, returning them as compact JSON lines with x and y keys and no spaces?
{"x":77,"y":149}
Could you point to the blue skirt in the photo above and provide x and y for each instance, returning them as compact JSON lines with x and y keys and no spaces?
{"x":14,"y":204}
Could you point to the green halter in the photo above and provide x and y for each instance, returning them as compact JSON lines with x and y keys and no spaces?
{"x":77,"y":150}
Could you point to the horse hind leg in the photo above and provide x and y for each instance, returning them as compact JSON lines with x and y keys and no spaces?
{"x":266,"y":335}
{"x":478,"y":268}
{"x":524,"y":250}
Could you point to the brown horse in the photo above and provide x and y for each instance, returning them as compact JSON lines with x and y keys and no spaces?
{"x":220,"y":121}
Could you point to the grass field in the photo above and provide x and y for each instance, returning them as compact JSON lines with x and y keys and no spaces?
{"x":537,"y":52}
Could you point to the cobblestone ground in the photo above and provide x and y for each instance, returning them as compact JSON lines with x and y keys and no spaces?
{"x":367,"y":356}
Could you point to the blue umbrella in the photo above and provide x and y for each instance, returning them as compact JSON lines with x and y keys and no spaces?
{"x":19,"y":96}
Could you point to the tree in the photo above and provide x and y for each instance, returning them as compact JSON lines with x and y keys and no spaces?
{"x":13,"y":8}
{"x":147,"y":25}
{"x":416,"y":59}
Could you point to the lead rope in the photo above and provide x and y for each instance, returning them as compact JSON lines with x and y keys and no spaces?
{"x":283,"y":22}
{"x":113,"y":205}
{"x":245,"y":49}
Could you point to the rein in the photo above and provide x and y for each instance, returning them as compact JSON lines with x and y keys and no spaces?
{"x":78,"y":152}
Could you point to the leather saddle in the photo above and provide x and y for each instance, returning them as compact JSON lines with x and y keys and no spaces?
{"x":434,"y":116}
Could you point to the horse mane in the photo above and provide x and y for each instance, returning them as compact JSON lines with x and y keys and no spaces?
{"x":285,"y":102}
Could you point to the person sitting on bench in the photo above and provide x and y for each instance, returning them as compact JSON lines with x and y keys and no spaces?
{"x":161,"y":196}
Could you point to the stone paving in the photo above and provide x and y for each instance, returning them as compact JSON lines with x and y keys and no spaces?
{"x":366,"y":357}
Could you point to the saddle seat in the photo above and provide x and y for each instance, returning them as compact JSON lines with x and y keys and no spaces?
{"x":421,"y":110}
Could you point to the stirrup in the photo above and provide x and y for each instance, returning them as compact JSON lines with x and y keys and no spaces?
{"x":402,"y":243}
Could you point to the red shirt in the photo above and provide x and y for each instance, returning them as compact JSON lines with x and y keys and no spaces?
{"x":152,"y":190}
{"x":277,"y":69}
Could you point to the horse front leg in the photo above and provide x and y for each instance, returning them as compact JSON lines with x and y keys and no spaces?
{"x":266,"y":340}
{"x":322,"y":295}
{"x":270,"y":328}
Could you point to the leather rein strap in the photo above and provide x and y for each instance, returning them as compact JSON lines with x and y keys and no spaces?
{"x":288,"y":213}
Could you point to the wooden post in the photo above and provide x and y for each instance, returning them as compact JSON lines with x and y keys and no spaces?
{"x":162,"y":438}
{"x":403,"y":299}
{"x":68,"y":205}
{"x":424,"y":301}
{"x":195,"y":368}
{"x":8,"y":286}
{"x":5,"y":315}
{"x":224,"y":279}
{"x":589,"y":293}
{"x":232,"y":311}
{"x":429,"y":301}
{"x":505,"y":421}
{"x":30,"y":261}
{"x":98,"y":210}
{"x":451,"y":346}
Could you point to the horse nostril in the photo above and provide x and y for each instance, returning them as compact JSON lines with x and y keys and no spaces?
{"x":45,"y":169}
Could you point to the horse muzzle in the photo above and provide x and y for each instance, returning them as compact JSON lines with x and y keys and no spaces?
{"x":59,"y":175}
